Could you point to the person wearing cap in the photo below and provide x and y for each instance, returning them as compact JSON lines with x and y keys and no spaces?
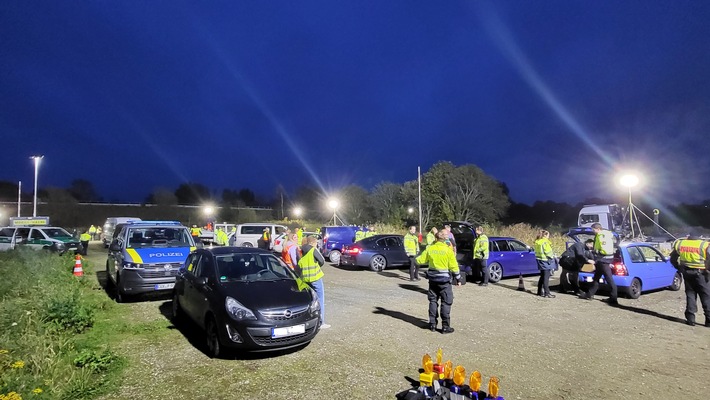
{"x":442,"y":266}
{"x":690,"y":257}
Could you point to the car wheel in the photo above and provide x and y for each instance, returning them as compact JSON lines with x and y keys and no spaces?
{"x":109,"y":280}
{"x":177,"y":310}
{"x":119,"y":295}
{"x":247,"y":244}
{"x":334,"y":257}
{"x":378,"y":263}
{"x":634,"y":290}
{"x":495,"y":272}
{"x":214,"y":347}
{"x":677,"y":282}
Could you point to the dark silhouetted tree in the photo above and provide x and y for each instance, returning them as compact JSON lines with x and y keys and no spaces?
{"x":83,"y":190}
{"x":192,"y":194}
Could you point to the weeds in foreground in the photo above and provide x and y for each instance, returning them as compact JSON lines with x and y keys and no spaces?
{"x":42,"y":307}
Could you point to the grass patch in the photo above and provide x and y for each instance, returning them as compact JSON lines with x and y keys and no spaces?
{"x":43,"y":308}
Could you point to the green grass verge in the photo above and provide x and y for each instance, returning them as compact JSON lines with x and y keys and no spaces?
{"x":54,"y":330}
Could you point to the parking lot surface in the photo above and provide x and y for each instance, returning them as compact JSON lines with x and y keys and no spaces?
{"x":562,"y":348}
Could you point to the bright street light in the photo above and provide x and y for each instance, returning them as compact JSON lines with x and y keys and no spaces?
{"x":410,"y":210}
{"x":297,"y":211}
{"x":37,"y":159}
{"x":208,"y":210}
{"x":333,"y":204}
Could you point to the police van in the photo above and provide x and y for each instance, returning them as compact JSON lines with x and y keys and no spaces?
{"x":35,"y":233}
{"x":145,"y":256}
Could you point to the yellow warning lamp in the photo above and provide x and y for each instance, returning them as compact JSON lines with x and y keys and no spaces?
{"x":448,"y":369}
{"x":439,"y":355}
{"x":475,"y":381}
{"x":459,"y":375}
{"x":427,"y":364}
{"x":493,"y":387}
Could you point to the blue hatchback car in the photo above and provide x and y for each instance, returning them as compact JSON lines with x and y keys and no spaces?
{"x":638,"y":267}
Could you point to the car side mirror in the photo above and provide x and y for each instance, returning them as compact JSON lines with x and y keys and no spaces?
{"x":115,"y":246}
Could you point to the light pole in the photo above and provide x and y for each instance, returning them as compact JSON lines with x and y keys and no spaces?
{"x":629,"y":181}
{"x":37,"y":159}
{"x":333,"y":203}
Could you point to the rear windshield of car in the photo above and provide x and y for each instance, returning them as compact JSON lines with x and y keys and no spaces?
{"x":158,"y":237}
{"x":242,"y":267}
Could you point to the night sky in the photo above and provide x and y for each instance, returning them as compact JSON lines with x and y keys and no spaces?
{"x":553,"y":98}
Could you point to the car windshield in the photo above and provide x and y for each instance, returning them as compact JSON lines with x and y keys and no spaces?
{"x":245,"y":267}
{"x":56,"y":232}
{"x":158,"y":237}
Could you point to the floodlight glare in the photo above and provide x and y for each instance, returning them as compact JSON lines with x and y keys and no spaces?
{"x":208,"y":210}
{"x":333,"y":204}
{"x":629,"y":180}
{"x":410,"y":210}
{"x":297,"y":211}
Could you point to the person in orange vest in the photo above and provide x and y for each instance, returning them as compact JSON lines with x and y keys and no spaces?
{"x":291,"y":252}
{"x":195,"y":231}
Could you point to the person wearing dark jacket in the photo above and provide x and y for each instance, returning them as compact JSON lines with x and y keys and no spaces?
{"x":572,"y":261}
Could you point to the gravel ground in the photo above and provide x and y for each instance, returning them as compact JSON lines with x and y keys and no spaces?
{"x":561,"y":348}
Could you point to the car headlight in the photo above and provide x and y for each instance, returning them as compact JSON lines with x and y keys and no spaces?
{"x":237,"y":311}
{"x":59,"y":246}
{"x":132,"y":266}
{"x":315,"y":304}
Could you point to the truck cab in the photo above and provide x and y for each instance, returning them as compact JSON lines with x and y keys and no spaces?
{"x":610,"y":216}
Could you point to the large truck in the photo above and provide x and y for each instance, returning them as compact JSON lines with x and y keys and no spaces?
{"x":610,"y":216}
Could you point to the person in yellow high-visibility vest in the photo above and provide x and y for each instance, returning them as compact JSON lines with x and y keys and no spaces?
{"x":92,"y":232}
{"x":311,"y":273}
{"x":545,"y":258}
{"x":481,"y":250}
{"x":690,"y":257}
{"x":84,"y":238}
{"x":442,"y":265}
{"x":603,"y":257}
{"x":411,"y":247}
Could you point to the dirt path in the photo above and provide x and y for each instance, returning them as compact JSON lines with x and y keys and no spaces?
{"x":561,"y":348}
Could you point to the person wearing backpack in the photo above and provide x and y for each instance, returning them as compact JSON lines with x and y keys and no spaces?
{"x":572,"y":261}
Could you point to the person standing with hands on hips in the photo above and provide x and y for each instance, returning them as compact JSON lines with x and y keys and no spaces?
{"x":545,"y":258}
{"x":442,"y":265}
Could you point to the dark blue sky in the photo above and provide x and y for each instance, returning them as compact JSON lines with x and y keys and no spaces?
{"x":550,"y":97}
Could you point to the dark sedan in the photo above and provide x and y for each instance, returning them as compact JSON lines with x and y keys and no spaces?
{"x":245,"y":298}
{"x":376,"y":252}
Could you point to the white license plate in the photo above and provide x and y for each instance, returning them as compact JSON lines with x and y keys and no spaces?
{"x":288,"y":331}
{"x":164,"y":286}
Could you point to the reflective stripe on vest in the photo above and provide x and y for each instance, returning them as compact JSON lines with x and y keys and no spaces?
{"x":543,"y":249}
{"x":691,"y":253}
{"x":310,"y":270}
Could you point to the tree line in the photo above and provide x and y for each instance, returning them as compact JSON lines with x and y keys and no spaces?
{"x":448,"y":193}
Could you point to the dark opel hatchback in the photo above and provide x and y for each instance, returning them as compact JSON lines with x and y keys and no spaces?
{"x":245,"y":298}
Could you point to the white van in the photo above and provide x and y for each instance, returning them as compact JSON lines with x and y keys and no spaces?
{"x":110,"y":224}
{"x":247,"y":235}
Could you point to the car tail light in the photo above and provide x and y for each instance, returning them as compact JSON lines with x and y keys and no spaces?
{"x":619,"y":269}
{"x":353,"y":250}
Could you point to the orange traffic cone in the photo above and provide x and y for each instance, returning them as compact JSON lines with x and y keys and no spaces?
{"x":521,"y":283}
{"x":78,"y":271}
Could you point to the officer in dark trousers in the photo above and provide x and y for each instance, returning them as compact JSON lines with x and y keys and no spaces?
{"x":442,"y":265}
{"x":603,"y":257}
{"x":690,"y":257}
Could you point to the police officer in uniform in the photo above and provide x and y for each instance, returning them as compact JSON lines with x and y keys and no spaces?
{"x":690,"y":257}
{"x":411,"y":247}
{"x":442,"y":265}
{"x":603,"y":257}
